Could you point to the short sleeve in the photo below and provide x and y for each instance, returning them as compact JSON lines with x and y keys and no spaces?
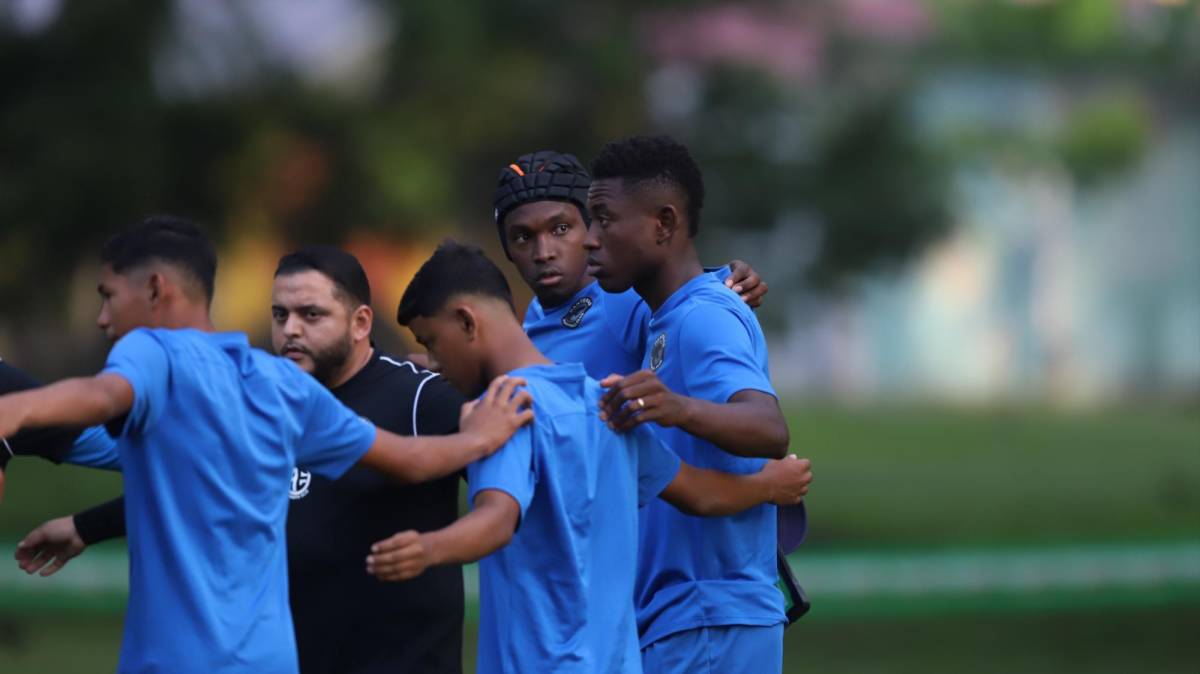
{"x":333,"y":438}
{"x":628,"y":317}
{"x":724,"y":356}
{"x":437,"y":407}
{"x":94,"y":448}
{"x":509,"y":470}
{"x":657,"y":466}
{"x":140,"y":359}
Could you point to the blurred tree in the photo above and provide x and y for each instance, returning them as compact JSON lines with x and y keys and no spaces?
{"x":114,"y":110}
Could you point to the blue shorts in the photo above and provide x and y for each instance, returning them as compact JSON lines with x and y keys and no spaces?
{"x":732,"y":649}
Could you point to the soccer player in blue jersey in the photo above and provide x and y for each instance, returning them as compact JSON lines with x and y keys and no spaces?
{"x":554,"y":514}
{"x":706,"y":594}
{"x":539,"y":205}
{"x":206,"y":430}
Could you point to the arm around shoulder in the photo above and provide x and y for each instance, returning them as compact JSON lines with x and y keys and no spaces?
{"x":711,"y":493}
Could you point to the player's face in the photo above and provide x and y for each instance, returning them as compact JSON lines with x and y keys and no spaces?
{"x":124,"y":302}
{"x":447,"y":341}
{"x":310,"y":325}
{"x":620,"y":237}
{"x":545,"y":241}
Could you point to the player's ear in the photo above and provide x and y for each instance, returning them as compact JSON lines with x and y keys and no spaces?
{"x":154,"y":287}
{"x":667,"y":224}
{"x":360,"y":322}
{"x":465,"y":318}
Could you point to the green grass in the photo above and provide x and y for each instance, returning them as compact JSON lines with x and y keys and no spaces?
{"x":1160,"y":641}
{"x":912,"y":476}
{"x":918,"y":476}
{"x":899,"y":478}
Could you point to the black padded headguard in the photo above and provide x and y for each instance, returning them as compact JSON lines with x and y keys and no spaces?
{"x":540,"y":176}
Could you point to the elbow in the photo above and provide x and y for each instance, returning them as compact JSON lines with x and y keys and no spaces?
{"x":498,"y":537}
{"x":777,"y":443}
{"x":709,"y":505}
{"x":503,"y":537}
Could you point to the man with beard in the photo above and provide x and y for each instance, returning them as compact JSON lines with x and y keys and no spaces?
{"x":345,"y":620}
{"x":706,"y":594}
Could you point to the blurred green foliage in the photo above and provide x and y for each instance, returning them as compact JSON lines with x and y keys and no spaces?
{"x":99,"y":130}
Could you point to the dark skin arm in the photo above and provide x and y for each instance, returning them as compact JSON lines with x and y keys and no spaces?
{"x":488,"y":527}
{"x":749,"y":424}
{"x":711,"y":493}
{"x":746,"y":282}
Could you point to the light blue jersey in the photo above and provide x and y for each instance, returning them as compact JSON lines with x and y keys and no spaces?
{"x":693,"y":571}
{"x":604,"y":331}
{"x":94,"y":448}
{"x":559,"y":597}
{"x":215,"y":428}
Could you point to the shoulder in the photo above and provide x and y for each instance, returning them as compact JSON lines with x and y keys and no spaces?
{"x":399,"y":368}
{"x":712,"y":316}
{"x":621,"y":304}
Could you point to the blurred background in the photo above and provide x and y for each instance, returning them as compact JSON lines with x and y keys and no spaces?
{"x":979,"y":219}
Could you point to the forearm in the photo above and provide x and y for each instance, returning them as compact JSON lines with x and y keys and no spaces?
{"x":101,"y":523}
{"x":711,"y":493}
{"x":78,"y":402}
{"x":740,"y":428}
{"x":424,"y":458}
{"x":472,"y":537}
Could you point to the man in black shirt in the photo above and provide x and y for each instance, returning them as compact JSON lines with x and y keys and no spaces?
{"x":345,"y":619}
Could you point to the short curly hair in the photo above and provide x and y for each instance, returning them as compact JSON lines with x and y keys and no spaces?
{"x":642,"y":159}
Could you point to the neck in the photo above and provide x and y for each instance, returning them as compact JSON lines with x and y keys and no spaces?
{"x":509,"y":349}
{"x":669,"y":275}
{"x":192,"y":316}
{"x":553,"y":302}
{"x":360,"y":355}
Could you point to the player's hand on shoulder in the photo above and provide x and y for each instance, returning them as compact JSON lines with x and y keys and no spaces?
{"x":746,"y":282}
{"x":788,"y":479}
{"x":401,"y":557}
{"x":638,"y":398}
{"x":49,"y":547}
{"x":496,"y":416}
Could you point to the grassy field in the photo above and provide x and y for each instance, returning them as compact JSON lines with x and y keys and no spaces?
{"x":890,"y":480}
{"x":1158,"y":641}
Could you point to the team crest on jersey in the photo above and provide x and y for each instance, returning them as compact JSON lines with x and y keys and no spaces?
{"x":658,"y":351}
{"x":575,"y":314}
{"x":301,"y":481}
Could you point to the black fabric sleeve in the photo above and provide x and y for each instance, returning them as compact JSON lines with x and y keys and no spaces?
{"x":102,"y":522}
{"x":438,"y":407}
{"x":51,"y":444}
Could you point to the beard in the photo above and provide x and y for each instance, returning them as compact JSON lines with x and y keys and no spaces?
{"x":327,"y":361}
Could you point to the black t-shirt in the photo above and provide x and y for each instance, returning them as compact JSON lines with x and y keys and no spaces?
{"x":48,"y":443}
{"x":346,"y":620}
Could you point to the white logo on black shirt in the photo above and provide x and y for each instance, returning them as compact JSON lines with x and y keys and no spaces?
{"x":301,"y":481}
